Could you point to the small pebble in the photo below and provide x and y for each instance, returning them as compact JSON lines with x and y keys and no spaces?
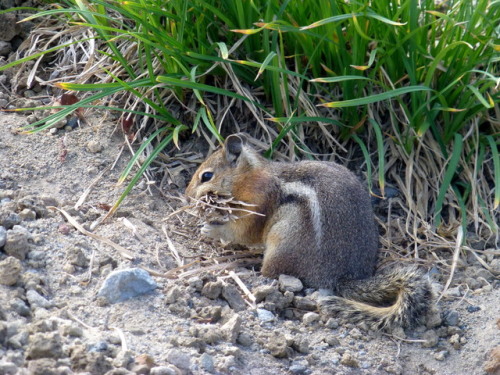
{"x":212,"y":289}
{"x":165,"y":370}
{"x":94,"y":147}
{"x":290,"y":284}
{"x":20,"y":307}
{"x":231,"y":328}
{"x":298,"y":369}
{"x":431,"y":339}
{"x":179,"y":359}
{"x":349,"y":360}
{"x":38,"y":301}
{"x":332,"y":323}
{"x":207,"y":363}
{"x":441,"y":356}
{"x":262,"y":291}
{"x":473,"y":309}
{"x":365,"y":365}
{"x":3,"y":236}
{"x":310,"y":318}
{"x":17,"y":242}
{"x":233,"y":297}
{"x":451,"y":318}
{"x":265,"y":316}
{"x":44,"y":345}
{"x":10,"y":269}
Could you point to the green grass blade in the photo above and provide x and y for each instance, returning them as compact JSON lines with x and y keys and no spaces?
{"x":375,"y":98}
{"x":496,"y":167}
{"x":203,"y":87}
{"x":339,"y":79}
{"x":368,"y":161}
{"x":381,"y":155}
{"x":479,"y":97}
{"x":164,"y":143}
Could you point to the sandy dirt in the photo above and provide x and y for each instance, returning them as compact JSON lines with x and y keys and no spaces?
{"x":53,"y":322}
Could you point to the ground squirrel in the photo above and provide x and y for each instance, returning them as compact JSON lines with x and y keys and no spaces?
{"x":316,"y":222}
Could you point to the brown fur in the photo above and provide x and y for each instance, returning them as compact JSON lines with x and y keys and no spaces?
{"x":318,"y":226}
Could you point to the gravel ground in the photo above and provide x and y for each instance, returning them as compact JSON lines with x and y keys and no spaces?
{"x":65,"y":305}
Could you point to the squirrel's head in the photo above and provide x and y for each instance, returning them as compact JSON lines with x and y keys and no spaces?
{"x":217,"y":173}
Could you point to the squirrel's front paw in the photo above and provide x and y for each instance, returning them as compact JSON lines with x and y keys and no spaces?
{"x":212,"y":230}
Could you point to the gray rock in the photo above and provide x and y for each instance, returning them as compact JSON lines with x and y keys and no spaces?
{"x":179,"y":359}
{"x":310,"y":318}
{"x":27,"y":215}
{"x":212,"y":289}
{"x":17,"y":242}
{"x":365,"y":365}
{"x":3,"y":236}
{"x":290,"y":284}
{"x":441,"y":355}
{"x":173,"y":294}
{"x":10,"y":269}
{"x":301,"y":344}
{"x":233,"y":297}
{"x":278,"y":347}
{"x":245,"y":339}
{"x":265,"y":316}
{"x":18,"y":341}
{"x":299,"y":367}
{"x":332,"y":323}
{"x":71,"y":329}
{"x":261,"y":292}
{"x":44,"y":345}
{"x":207,"y":363}
{"x":8,"y":218}
{"x":165,"y":370}
{"x":9,"y":28}
{"x":305,"y":303}
{"x":433,"y":319}
{"x":231,"y":329}
{"x":36,"y":300}
{"x":77,"y":257}
{"x":3,"y":332}
{"x":349,"y":360}
{"x":451,"y":318}
{"x":94,"y":147}
{"x":431,"y":339}
{"x":125,"y":284}
{"x":8,"y":368}
{"x":331,"y":340}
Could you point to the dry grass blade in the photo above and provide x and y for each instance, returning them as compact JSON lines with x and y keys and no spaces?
{"x":456,"y":255}
{"x":123,"y":252}
{"x":171,"y":247}
{"x":87,"y":191}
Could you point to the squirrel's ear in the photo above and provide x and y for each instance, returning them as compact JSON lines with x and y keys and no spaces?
{"x":234,"y":146}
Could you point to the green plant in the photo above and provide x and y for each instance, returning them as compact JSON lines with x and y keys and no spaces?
{"x":414,"y":80}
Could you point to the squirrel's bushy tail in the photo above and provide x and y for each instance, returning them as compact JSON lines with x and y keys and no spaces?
{"x":399,"y":297}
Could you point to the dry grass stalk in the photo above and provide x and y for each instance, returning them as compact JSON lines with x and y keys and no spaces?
{"x":121,"y":250}
{"x":243,"y":287}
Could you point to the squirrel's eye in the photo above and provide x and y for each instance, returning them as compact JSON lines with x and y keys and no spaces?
{"x":206,"y":176}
